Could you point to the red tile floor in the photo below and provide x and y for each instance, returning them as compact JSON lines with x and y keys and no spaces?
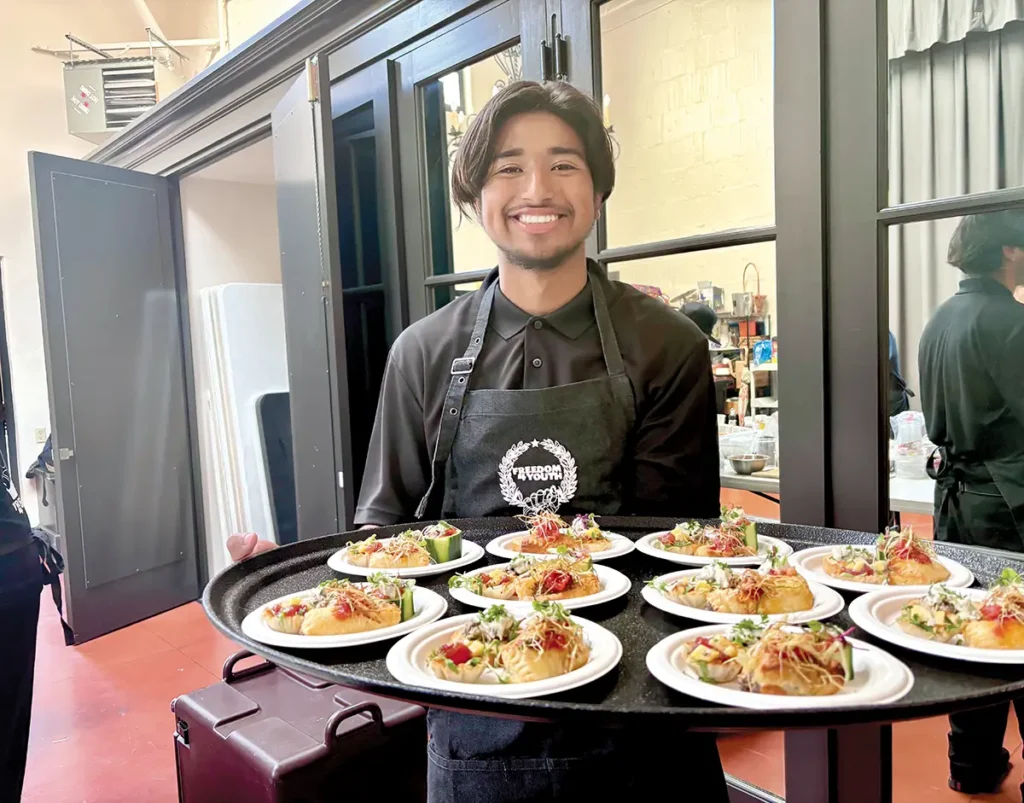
{"x":102,"y":726}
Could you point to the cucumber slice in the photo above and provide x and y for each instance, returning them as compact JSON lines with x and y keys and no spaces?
{"x":408,"y":610}
{"x":444,"y":549}
{"x":750,"y":535}
{"x":846,"y":657}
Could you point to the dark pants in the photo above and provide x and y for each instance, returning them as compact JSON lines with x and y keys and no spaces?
{"x":504,"y":761}
{"x":976,"y":757}
{"x":20,"y":586}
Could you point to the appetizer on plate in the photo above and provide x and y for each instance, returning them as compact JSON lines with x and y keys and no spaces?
{"x":812,"y":660}
{"x":774,"y":588}
{"x":909,"y":560}
{"x":938,"y":616}
{"x":405,"y":551}
{"x":525,"y":579}
{"x":585,"y":534}
{"x":287,"y":616}
{"x":549,"y":643}
{"x":858,"y":564}
{"x":1000,"y":625}
{"x":443,"y":542}
{"x":727,"y":542}
{"x":719,"y":658}
{"x":733,"y":516}
{"x":339,"y":607}
{"x":899,"y":558}
{"x":683,"y":539}
{"x":546,"y":532}
{"x":546,"y":643}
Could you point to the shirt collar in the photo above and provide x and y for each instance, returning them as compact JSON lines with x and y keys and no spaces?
{"x":984,"y":284}
{"x":570,"y":320}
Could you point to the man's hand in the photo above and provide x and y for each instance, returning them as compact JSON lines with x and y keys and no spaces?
{"x":246,"y":545}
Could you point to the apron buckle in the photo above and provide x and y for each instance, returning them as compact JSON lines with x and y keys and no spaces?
{"x":463,"y":365}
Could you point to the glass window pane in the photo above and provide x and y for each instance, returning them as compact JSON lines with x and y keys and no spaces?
{"x":447,"y":293}
{"x":688,"y":96}
{"x":748,"y":356}
{"x":956,"y":100}
{"x":451,"y":102}
{"x":956,"y":286}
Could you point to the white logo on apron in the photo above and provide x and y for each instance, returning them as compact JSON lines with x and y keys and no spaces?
{"x":550,"y":498}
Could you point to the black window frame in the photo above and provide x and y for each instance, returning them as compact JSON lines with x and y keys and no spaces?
{"x":858,"y":255}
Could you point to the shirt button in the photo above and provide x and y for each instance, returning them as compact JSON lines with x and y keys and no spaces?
{"x":537,"y":362}
{"x":538,"y":324}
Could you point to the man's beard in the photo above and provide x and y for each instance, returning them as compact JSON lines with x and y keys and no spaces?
{"x":545,"y":263}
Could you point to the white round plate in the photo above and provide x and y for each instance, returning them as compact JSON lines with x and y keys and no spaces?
{"x":429,"y":607}
{"x":471,"y":553}
{"x":613,"y":585}
{"x":620,"y":546}
{"x":876,"y":613}
{"x":808,"y":563}
{"x":879,"y":678}
{"x":826,"y":603}
{"x":764,"y":543}
{"x":407,"y":662}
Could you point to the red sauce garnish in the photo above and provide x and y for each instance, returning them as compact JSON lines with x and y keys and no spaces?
{"x":341,"y":609}
{"x":667,"y":539}
{"x":456,"y":653}
{"x":555,"y":582}
{"x":294,"y":609}
{"x":703,"y":642}
{"x":991,"y":612}
{"x":546,"y":530}
{"x":553,"y":640}
{"x":376,"y":546}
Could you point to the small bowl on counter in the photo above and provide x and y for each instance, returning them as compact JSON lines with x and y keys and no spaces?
{"x":747,"y":464}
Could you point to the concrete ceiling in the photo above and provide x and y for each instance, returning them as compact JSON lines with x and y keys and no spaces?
{"x":251,"y":165}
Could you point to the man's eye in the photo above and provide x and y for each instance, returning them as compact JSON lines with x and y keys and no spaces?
{"x":508,"y":169}
{"x":565,"y":167}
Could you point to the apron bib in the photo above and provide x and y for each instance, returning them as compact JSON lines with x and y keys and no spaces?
{"x":502,"y":452}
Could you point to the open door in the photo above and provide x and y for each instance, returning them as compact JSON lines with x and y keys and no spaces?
{"x":372,"y":279}
{"x":313,"y":304}
{"x":115,"y":338}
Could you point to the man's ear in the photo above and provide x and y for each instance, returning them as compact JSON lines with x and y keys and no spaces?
{"x":598,"y":207}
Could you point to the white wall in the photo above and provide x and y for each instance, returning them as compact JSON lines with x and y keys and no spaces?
{"x":230,"y":232}
{"x":249,"y":17}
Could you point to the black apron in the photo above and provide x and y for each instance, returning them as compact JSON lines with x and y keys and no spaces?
{"x":978,"y":502}
{"x":562,"y":448}
{"x":501,"y":451}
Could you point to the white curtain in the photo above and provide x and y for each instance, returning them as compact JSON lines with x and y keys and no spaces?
{"x":956,"y":126}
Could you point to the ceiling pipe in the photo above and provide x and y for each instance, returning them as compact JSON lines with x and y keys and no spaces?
{"x":148,"y":20}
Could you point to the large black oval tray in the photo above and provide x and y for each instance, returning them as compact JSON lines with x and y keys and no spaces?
{"x":629,"y":692}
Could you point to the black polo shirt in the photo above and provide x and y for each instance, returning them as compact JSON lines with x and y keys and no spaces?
{"x":674,"y":448}
{"x":971,"y":362}
{"x":15,"y":530}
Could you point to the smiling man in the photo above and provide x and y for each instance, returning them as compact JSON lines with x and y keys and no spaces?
{"x":549,"y":386}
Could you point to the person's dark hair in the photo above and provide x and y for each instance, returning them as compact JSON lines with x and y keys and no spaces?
{"x":976,"y":246}
{"x":476,"y":151}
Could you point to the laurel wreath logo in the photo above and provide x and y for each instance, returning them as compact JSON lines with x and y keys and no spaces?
{"x":546,"y":498}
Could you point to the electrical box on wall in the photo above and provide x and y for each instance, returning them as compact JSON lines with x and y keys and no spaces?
{"x":105,"y":95}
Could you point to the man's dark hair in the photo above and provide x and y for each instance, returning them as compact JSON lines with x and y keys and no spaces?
{"x":976,"y":246}
{"x":476,"y":151}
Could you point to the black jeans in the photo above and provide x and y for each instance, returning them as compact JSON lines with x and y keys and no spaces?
{"x":474,"y":758}
{"x":21,"y":581}
{"x":976,"y":757}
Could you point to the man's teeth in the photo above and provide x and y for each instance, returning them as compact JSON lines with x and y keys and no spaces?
{"x":538,"y":218}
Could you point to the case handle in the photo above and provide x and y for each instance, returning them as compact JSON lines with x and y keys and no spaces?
{"x":331,"y":730}
{"x":228,"y":674}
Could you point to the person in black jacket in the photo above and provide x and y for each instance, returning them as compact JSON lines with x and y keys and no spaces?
{"x":972,"y":396}
{"x":21,"y":580}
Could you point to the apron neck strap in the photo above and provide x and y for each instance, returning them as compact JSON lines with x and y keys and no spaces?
{"x":609,"y":342}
